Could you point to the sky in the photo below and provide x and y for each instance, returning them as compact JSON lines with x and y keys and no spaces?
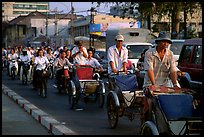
{"x":65,"y":7}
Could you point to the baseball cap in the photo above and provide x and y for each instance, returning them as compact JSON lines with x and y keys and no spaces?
{"x":119,"y":37}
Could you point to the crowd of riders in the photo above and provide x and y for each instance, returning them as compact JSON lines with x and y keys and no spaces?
{"x":42,"y":57}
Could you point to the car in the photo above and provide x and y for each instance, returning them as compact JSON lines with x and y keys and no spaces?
{"x":190,"y":62}
{"x":176,"y":47}
{"x":135,"y":49}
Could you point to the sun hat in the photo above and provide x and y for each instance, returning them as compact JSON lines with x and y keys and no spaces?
{"x":163,"y":36}
{"x":119,"y":37}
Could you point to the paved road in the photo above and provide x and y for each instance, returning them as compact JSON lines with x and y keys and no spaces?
{"x":91,"y":121}
{"x":16,"y":121}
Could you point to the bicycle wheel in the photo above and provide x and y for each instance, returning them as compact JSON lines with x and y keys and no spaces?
{"x":112,"y":111}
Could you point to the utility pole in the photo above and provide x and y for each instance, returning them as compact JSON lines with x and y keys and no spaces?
{"x":47,"y":22}
{"x":91,"y":39}
{"x":72,"y":22}
{"x":56,"y":20}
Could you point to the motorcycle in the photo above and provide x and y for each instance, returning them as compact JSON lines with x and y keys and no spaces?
{"x":51,"y":68}
{"x":26,"y":67}
{"x":13,"y":65}
{"x":64,"y":81}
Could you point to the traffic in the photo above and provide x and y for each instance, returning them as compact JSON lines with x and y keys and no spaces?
{"x":73,"y":89}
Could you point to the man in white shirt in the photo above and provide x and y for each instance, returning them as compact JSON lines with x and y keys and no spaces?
{"x":79,"y":54}
{"x":117,"y":56}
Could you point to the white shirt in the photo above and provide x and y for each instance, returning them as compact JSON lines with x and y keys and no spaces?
{"x":79,"y":59}
{"x":41,"y":62}
{"x":24,"y":58}
{"x":93,"y":62}
{"x":14,"y":56}
{"x":118,"y":60}
{"x":161,"y":68}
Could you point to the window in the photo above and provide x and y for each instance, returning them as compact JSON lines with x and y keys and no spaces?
{"x":186,"y":54}
{"x":197,"y":58}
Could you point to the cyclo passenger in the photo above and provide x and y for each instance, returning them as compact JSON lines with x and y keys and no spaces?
{"x":160,"y":68}
{"x":23,"y":58}
{"x":93,"y":62}
{"x":58,"y":64}
{"x":40,"y":63}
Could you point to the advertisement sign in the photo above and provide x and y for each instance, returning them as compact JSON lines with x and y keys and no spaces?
{"x":95,"y":27}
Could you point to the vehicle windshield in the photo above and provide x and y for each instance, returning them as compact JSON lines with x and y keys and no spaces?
{"x":134,"y":51}
{"x":176,"y":47}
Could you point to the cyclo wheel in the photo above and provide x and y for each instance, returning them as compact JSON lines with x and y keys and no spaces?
{"x":101,"y":96}
{"x":149,"y":128}
{"x":71,"y":94}
{"x":112,"y":111}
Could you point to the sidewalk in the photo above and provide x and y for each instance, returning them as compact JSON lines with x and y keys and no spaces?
{"x":16,"y":121}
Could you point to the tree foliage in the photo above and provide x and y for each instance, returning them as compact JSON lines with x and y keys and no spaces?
{"x":148,"y":9}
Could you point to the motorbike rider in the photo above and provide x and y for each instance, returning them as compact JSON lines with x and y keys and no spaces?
{"x":59,"y":63}
{"x":40,"y":63}
{"x":12,"y":56}
{"x":23,"y":58}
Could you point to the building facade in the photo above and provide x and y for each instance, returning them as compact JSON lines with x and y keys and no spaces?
{"x":11,"y":10}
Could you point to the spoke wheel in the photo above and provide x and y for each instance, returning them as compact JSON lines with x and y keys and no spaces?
{"x":101,"y":96}
{"x":112,"y":111}
{"x":149,"y":128}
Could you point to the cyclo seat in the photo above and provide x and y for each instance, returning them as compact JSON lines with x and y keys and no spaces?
{"x":176,"y":106}
{"x":126,"y":82}
{"x":84,"y":72}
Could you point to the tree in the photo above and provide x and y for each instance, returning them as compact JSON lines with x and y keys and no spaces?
{"x":148,"y":9}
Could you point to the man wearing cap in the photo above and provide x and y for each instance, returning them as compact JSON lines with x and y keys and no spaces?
{"x":159,"y":64}
{"x":117,"y":56}
{"x":160,"y":68}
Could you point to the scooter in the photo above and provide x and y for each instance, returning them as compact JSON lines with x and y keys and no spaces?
{"x":13,"y":66}
{"x":26,"y":67}
{"x":51,"y":68}
{"x":64,"y":80}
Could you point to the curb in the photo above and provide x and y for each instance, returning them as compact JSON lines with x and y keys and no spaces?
{"x":54,"y":126}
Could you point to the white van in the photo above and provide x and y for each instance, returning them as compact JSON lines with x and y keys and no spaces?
{"x":135,"y":49}
{"x":176,"y":47}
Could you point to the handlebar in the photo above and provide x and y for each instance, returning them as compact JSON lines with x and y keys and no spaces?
{"x":166,"y":90}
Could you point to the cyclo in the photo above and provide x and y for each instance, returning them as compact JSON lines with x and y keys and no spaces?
{"x":173,"y":111}
{"x":124,"y":98}
{"x":87,"y":85}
